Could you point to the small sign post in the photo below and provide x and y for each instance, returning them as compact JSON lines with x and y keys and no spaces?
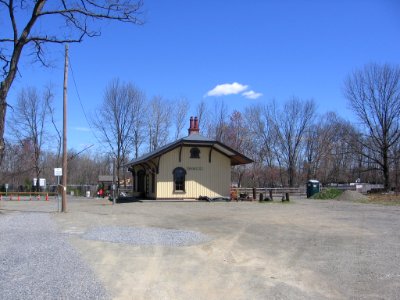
{"x":6,"y":186}
{"x":58,"y":173}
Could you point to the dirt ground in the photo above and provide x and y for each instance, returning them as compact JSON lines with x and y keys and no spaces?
{"x":386,"y":199}
{"x":305,"y":249}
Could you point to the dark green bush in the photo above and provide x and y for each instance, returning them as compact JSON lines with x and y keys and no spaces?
{"x":330,"y":193}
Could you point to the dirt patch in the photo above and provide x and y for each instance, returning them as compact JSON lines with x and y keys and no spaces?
{"x":306,"y":250}
{"x":384,"y":199}
{"x":390,"y":199}
{"x":352,"y":196}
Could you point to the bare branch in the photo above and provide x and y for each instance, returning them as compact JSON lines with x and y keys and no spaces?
{"x":374,"y":95}
{"x":117,"y":119}
{"x":13,"y":22}
{"x":78,"y":16}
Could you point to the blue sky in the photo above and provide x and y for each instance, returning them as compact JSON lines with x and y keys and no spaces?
{"x":276,"y":48}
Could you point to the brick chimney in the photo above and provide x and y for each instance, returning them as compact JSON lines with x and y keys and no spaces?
{"x":194,"y":126}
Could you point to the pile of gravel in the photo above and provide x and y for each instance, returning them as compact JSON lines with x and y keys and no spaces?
{"x":146,"y":236}
{"x":37,"y":262}
{"x":351,"y":196}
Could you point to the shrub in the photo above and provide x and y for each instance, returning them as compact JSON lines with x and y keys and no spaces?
{"x":327,"y":194}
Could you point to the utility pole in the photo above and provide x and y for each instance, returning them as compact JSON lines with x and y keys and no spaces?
{"x":64,"y":163}
{"x":113,"y":184}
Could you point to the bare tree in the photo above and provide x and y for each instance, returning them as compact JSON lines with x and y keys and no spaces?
{"x":218,"y":125}
{"x":290,"y":125}
{"x":260,"y":123}
{"x":202,"y":113}
{"x":71,"y":21}
{"x":238,"y":137}
{"x":342,"y":163}
{"x":139,"y":110}
{"x":86,"y":167}
{"x":16,"y":167}
{"x":158,"y":122}
{"x":181,"y":111}
{"x":374,"y":96}
{"x":116,"y":119}
{"x":28,"y":123}
{"x":52,"y":115}
{"x":320,"y":139}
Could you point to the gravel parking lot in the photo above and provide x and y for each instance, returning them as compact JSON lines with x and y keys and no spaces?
{"x":305,"y":249}
{"x":37,"y":262}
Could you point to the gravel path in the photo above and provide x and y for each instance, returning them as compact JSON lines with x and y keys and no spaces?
{"x":146,"y":236}
{"x":351,"y":196}
{"x":37,"y":262}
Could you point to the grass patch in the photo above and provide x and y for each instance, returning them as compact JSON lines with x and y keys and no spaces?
{"x":327,"y":194}
{"x":383,"y":199}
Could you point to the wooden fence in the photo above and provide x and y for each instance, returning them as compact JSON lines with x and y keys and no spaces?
{"x":18,"y":196}
{"x":271,"y":193}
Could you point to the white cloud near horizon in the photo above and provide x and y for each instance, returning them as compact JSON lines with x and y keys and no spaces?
{"x":227,"y":89}
{"x":251,"y":94}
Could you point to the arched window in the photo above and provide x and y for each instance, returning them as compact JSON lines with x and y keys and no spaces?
{"x":195,"y":153}
{"x":179,"y":179}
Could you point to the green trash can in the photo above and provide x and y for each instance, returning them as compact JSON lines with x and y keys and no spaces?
{"x":312,"y":187}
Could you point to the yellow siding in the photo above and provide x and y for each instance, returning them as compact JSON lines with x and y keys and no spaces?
{"x":202,"y":177}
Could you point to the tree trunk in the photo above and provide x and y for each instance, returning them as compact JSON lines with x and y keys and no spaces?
{"x":3,"y":110}
{"x":385,"y":169}
{"x":118,"y":167}
{"x":291,"y":172}
{"x":5,"y":85}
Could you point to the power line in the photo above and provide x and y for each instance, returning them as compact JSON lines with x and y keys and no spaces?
{"x":80,"y":102}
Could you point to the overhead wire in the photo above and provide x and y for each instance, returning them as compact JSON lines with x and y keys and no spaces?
{"x":80,"y":102}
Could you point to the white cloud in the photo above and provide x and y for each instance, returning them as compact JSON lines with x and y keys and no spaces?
{"x":227,"y":89}
{"x":84,"y":129}
{"x":251,"y":95}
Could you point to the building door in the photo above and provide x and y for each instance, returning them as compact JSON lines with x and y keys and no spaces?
{"x":147,"y":185}
{"x":141,"y":181}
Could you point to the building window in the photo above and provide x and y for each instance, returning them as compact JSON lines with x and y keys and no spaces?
{"x":179,"y":179}
{"x":194,"y":153}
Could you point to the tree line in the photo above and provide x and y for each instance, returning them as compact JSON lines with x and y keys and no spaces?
{"x":290,"y":142}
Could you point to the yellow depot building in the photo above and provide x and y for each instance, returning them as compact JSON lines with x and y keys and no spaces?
{"x":188,"y":168}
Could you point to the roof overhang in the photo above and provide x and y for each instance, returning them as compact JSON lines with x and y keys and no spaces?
{"x":235,"y":157}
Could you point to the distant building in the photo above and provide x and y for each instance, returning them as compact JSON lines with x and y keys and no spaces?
{"x":105,"y":179}
{"x":190,"y":167}
{"x":367,"y":187}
